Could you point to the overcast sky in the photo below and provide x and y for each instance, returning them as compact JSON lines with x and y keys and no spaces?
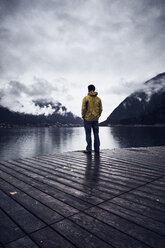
{"x":52,"y":49}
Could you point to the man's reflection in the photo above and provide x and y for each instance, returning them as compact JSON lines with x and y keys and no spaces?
{"x":92,"y":170}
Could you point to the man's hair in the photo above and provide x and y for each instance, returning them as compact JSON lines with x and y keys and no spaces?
{"x":91,"y":87}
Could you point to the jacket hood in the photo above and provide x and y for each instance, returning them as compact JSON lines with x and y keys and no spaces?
{"x":92,"y":93}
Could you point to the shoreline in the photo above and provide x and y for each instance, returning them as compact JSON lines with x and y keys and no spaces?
{"x":39,"y":126}
{"x":133,"y":125}
{"x":2,"y":126}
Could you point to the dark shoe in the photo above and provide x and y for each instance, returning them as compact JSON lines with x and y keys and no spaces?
{"x":87,"y":152}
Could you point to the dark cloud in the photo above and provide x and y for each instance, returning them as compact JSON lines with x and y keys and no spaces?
{"x":8,"y":7}
{"x":68,"y":40}
{"x":15,"y":88}
{"x":39,"y":88}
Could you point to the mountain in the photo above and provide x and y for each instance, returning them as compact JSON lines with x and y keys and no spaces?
{"x":145,"y":106}
{"x":59,"y":117}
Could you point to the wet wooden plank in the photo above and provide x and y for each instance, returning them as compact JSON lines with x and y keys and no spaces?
{"x":139,"y":214}
{"x":104,"y":173}
{"x":146,"y":199}
{"x":104,"y":231}
{"x":115,"y":199}
{"x":9,"y":230}
{"x":48,"y":238}
{"x":22,"y":242}
{"x":79,"y":236}
{"x":19,"y":214}
{"x":81,"y":172}
{"x":35,"y":188}
{"x":136,"y":231}
{"x":70,"y":189}
{"x":41,"y":203}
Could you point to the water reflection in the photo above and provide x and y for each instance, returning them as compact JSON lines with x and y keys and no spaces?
{"x":138,"y":136}
{"x":30,"y":142}
{"x":92,"y":170}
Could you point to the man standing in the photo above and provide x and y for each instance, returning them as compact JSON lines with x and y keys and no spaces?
{"x":91,"y":111}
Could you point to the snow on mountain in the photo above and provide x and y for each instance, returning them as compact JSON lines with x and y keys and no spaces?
{"x":145,"y":106}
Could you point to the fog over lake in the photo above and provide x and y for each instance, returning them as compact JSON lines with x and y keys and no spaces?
{"x":29,"y":142}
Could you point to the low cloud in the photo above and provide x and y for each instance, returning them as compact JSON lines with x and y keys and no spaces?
{"x":123,"y":88}
{"x":21,"y":98}
{"x":154,"y":86}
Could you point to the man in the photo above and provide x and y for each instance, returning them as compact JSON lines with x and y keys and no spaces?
{"x":91,"y":111}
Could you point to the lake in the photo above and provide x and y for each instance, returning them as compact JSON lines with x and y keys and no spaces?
{"x":29,"y":142}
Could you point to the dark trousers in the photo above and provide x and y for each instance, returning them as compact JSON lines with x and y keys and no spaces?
{"x":89,"y":125}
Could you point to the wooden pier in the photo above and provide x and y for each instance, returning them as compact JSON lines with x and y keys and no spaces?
{"x":115,"y":199}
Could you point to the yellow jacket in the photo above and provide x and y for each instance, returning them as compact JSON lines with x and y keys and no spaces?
{"x":91,"y":107}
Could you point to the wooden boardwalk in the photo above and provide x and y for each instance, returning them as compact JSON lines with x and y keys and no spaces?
{"x":116,"y":199}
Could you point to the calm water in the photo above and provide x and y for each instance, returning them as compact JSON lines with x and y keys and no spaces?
{"x":29,"y":142}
